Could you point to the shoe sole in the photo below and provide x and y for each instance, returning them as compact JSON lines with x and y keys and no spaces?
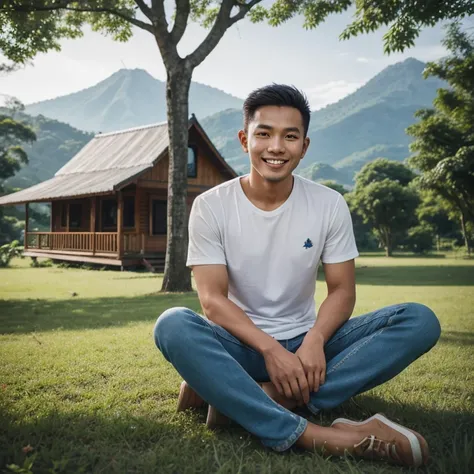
{"x":216,"y":419}
{"x":412,"y":438}
{"x":188,"y":398}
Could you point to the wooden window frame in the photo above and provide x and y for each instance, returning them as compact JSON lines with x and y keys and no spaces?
{"x":81,"y":214}
{"x":156,"y":197}
{"x":195,"y":150}
{"x":114,"y":198}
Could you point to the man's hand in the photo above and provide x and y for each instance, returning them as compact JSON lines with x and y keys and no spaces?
{"x":313,"y":360}
{"x":287,"y":374}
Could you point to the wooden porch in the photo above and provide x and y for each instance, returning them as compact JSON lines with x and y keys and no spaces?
{"x":101,"y":244}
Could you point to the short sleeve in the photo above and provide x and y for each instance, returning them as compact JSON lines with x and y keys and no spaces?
{"x":340,"y":243}
{"x":205,"y":241}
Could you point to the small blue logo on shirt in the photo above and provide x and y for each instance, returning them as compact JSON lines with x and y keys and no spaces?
{"x":308,"y":244}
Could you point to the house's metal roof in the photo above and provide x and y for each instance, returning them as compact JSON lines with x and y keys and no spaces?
{"x":119,"y":150}
{"x":74,"y":185}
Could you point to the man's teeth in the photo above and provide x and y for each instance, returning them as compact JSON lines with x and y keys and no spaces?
{"x":275,"y":162}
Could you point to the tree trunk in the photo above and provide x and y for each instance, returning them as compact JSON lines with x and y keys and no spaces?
{"x":388,"y":243}
{"x":465,"y":234}
{"x":177,"y":276}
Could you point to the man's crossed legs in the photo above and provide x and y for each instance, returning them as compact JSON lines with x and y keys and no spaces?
{"x":365,"y":352}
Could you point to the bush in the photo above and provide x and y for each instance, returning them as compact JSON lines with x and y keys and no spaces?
{"x":41,"y":264}
{"x":420,"y":239}
{"x":9,"y":251}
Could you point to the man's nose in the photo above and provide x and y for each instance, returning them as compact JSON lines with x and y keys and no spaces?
{"x":276,"y":145}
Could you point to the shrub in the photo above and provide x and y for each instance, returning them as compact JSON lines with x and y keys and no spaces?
{"x":9,"y":251}
{"x":420,"y":239}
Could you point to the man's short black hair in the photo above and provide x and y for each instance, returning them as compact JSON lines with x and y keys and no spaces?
{"x":280,"y":95}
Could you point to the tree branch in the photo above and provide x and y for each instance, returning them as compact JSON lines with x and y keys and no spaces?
{"x":243,"y":10}
{"x":141,"y":24}
{"x":168,"y":50}
{"x":181,"y":21}
{"x":223,"y":21}
{"x":145,"y":9}
{"x":65,"y":6}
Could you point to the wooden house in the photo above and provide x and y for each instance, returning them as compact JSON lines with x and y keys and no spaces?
{"x":109,"y":202}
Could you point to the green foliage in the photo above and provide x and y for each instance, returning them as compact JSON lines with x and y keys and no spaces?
{"x":382,"y":169}
{"x":419,"y":239}
{"x":336,"y":186}
{"x":13,"y":134}
{"x":9,"y":251}
{"x":434,"y":212}
{"x":29,"y":28}
{"x":444,"y":136}
{"x":383,"y":199}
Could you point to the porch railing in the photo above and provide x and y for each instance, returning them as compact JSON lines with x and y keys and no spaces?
{"x":84,"y":242}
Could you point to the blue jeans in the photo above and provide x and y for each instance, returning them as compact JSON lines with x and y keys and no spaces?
{"x":365,"y":352}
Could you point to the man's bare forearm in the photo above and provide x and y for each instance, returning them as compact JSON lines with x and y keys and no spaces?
{"x":335,"y":310}
{"x":228,"y":315}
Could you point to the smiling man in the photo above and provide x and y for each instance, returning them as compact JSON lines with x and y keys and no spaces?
{"x":255,"y":245}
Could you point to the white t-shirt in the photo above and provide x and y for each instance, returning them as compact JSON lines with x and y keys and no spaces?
{"x":272,"y":257}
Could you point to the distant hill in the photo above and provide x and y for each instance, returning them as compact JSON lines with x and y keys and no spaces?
{"x":325,"y":172}
{"x":128,"y":98}
{"x":56,"y":143}
{"x":368,"y":123}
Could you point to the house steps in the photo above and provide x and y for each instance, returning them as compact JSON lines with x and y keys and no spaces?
{"x":154,"y":263}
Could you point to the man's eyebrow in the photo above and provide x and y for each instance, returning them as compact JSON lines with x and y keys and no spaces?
{"x":269,"y":127}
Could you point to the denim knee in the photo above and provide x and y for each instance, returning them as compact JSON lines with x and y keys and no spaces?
{"x":169,"y":327}
{"x":427,"y":324}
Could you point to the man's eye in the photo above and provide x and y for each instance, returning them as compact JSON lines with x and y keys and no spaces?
{"x":262,"y":134}
{"x":293,"y":137}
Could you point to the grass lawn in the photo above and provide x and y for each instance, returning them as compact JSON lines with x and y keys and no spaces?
{"x":83,"y":388}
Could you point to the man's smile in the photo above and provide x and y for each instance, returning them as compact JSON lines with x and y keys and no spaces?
{"x":275,"y":163}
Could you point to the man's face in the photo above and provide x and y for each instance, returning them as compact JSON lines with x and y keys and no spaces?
{"x":275,"y":142}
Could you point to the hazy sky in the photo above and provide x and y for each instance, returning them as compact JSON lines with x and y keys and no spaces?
{"x":247,"y":57}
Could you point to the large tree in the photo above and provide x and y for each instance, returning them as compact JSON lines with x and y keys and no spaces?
{"x":444,"y":136}
{"x":383,"y":198}
{"x":29,"y":26}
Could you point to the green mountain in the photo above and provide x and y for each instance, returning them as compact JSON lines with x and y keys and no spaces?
{"x":367,"y":124}
{"x":56,"y":143}
{"x":128,"y":98}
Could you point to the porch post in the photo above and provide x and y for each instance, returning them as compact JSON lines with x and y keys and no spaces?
{"x":25,"y":243}
{"x":93,"y":218}
{"x":67,"y":220}
{"x":120,"y":224}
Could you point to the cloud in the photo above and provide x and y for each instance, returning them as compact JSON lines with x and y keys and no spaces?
{"x":363,"y":59}
{"x":321,"y":95}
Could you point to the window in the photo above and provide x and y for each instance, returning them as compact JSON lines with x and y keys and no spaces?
{"x":129,"y":211}
{"x":109,"y":213}
{"x":192,"y":162}
{"x":75,"y":215}
{"x":64,"y":214}
{"x":159,"y":217}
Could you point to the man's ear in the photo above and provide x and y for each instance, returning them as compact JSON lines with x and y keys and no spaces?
{"x":305,"y":147}
{"x":243,"y":141}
